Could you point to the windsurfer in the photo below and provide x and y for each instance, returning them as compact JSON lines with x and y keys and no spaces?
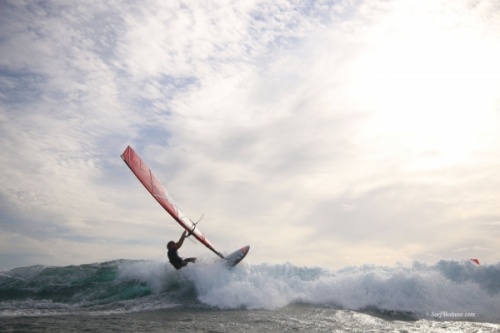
{"x":173,"y":256}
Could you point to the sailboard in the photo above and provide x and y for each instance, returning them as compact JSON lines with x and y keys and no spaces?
{"x":234,"y":258}
{"x":146,"y":177}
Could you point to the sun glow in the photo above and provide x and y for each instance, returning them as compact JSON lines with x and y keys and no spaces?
{"x":431,"y":89}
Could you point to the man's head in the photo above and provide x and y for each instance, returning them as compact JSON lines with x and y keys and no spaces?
{"x":171,"y":245}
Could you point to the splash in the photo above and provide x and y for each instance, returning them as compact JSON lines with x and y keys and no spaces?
{"x":424,"y":291}
{"x":420,"y":290}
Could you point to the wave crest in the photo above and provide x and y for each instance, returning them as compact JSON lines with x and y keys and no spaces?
{"x":126,"y":285}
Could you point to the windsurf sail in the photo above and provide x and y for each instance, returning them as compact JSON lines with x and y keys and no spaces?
{"x":146,"y":177}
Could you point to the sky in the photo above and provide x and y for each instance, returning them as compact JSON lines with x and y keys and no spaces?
{"x":321,"y":133}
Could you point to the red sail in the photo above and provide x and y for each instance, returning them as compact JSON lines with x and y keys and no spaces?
{"x":146,"y":177}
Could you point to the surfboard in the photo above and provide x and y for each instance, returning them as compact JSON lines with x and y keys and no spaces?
{"x":234,"y":258}
{"x":146,"y":177}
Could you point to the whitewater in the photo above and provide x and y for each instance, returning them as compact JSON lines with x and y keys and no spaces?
{"x":149,"y":295}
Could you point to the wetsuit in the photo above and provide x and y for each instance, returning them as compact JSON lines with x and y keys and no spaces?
{"x":177,"y":261}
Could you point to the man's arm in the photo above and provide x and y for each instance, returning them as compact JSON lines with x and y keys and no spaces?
{"x":181,"y":240}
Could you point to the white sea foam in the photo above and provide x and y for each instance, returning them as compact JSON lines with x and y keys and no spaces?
{"x":448,"y":287}
{"x":447,"y":290}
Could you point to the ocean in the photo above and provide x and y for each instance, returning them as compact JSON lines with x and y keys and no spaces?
{"x":151,"y":296}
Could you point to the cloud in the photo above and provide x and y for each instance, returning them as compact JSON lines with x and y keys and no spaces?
{"x":363,"y":130}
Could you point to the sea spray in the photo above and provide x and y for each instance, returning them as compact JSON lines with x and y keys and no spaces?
{"x":419,"y":290}
{"x":448,"y":288}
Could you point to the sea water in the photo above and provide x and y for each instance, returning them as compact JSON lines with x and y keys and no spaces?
{"x":151,"y":296}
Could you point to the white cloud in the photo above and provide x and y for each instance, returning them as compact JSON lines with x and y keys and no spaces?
{"x":322,"y":133}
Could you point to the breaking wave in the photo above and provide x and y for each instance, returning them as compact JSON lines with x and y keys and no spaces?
{"x":459,"y":290}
